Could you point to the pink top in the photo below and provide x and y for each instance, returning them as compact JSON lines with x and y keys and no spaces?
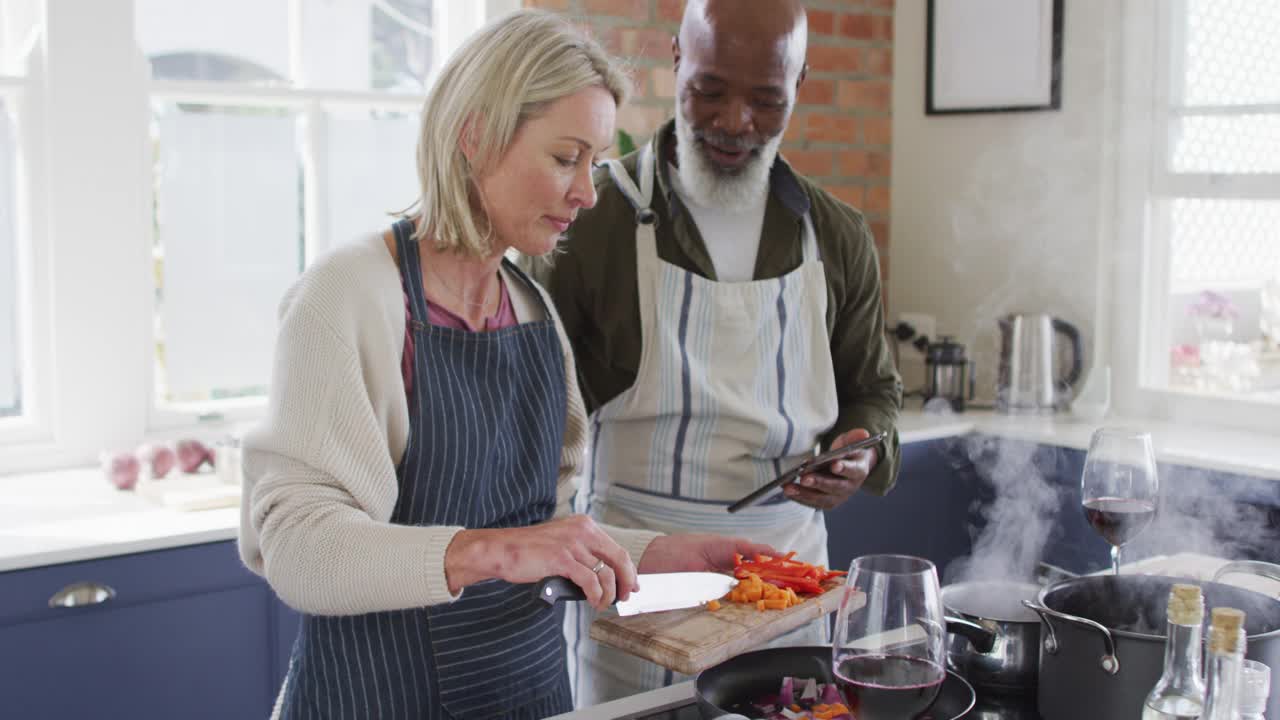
{"x":504,"y":317}
{"x":441,"y":316}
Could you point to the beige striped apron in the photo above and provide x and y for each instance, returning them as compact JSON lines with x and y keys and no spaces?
{"x":735,"y":385}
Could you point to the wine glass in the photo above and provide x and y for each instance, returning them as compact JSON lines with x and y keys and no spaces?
{"x":1119,"y":487}
{"x":889,"y":637}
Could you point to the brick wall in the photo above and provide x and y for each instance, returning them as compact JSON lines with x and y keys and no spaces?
{"x":840,"y":133}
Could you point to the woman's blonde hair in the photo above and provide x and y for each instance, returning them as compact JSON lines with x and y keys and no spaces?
{"x":503,"y":75}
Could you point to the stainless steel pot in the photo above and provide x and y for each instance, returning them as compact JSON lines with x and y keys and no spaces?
{"x":1102,"y":641}
{"x":1006,"y":657}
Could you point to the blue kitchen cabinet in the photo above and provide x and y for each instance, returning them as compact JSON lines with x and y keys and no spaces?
{"x":188,"y":634}
{"x":927,"y":513}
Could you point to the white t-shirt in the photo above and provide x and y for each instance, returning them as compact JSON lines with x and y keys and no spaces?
{"x":732,"y":237}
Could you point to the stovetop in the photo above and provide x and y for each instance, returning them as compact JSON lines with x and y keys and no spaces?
{"x":988,"y":707}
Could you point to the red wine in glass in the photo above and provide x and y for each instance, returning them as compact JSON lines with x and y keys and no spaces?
{"x":1119,"y":487}
{"x":888,"y":687}
{"x":1118,"y":520}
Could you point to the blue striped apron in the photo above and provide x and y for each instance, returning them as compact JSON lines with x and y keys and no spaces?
{"x":735,"y":384}
{"x":487,"y":414}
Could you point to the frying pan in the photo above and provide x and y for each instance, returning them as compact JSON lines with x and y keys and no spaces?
{"x":759,"y":673}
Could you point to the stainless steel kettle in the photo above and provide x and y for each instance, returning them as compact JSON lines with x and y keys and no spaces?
{"x":1033,"y":377}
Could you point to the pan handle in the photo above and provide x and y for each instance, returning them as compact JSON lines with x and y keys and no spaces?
{"x":1109,"y":662}
{"x":1047,"y":574}
{"x":1267,"y":570}
{"x":979,"y":637}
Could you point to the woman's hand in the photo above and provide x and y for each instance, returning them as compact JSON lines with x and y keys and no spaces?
{"x":569,"y":546}
{"x":691,"y":552}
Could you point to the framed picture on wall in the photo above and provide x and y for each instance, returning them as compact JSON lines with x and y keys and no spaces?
{"x":993,"y":56}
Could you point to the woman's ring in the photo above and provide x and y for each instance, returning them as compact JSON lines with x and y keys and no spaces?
{"x":597,"y":567}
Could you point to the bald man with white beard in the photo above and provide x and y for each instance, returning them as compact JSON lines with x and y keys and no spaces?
{"x":727,"y":321}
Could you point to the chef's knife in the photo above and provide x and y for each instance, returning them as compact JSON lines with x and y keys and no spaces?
{"x":658,"y":591}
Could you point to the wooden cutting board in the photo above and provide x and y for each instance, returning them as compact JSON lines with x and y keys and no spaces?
{"x":694,"y":639}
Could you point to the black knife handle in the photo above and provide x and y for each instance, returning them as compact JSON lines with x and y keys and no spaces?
{"x":556,"y":588}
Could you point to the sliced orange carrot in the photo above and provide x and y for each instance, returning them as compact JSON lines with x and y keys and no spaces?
{"x":714,"y":605}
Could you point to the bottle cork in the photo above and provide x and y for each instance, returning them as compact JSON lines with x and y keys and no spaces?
{"x":1186,"y":605}
{"x":1226,"y":631}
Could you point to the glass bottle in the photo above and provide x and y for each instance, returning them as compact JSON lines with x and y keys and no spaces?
{"x":1179,"y":693}
{"x":1255,"y":687}
{"x":1226,"y":651}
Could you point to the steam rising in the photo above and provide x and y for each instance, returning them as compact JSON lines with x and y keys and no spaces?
{"x":1028,"y":489}
{"x":1018,"y":521}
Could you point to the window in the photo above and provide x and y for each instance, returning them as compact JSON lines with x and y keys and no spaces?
{"x":10,"y":349}
{"x":1216,"y":197}
{"x":276,"y":135}
{"x":1201,"y":140}
{"x":167,"y":169}
{"x":17,"y":23}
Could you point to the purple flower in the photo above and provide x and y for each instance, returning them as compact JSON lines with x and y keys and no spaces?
{"x":1212,"y":304}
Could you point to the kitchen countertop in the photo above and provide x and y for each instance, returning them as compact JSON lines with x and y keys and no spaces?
{"x":73,"y":515}
{"x":1219,"y":450}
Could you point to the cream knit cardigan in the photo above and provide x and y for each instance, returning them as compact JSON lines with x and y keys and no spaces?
{"x":320,"y":471}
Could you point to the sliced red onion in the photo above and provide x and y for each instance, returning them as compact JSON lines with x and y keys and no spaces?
{"x":786,"y":696}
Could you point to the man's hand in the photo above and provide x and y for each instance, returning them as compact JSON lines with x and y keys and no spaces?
{"x":826,"y":491}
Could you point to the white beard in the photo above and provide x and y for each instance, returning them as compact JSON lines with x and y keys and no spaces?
{"x":711,"y":187}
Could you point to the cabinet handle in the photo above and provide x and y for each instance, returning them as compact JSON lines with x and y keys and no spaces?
{"x":81,"y":594}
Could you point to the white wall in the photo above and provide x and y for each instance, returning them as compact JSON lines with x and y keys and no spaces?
{"x":997,"y":213}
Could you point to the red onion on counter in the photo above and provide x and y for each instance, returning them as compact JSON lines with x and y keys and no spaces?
{"x":121,"y":469}
{"x":192,"y":454}
{"x":160,"y":458}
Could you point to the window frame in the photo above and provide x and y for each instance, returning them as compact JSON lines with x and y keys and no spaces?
{"x":32,"y":427}
{"x":1134,"y":302}
{"x":86,"y":295}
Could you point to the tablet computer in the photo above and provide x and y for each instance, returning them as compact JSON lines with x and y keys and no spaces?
{"x":813,"y":464}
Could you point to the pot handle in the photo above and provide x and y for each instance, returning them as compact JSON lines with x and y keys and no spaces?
{"x":979,"y":637}
{"x":1267,"y":570}
{"x":1110,"y":662}
{"x":1047,"y":574}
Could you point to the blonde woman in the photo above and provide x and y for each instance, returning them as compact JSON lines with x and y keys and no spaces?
{"x":414,"y":473}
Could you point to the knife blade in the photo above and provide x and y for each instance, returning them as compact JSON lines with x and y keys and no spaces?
{"x":658,"y":591}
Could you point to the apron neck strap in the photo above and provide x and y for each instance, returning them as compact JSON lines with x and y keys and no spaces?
{"x":810,"y":242}
{"x":640,"y":196}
